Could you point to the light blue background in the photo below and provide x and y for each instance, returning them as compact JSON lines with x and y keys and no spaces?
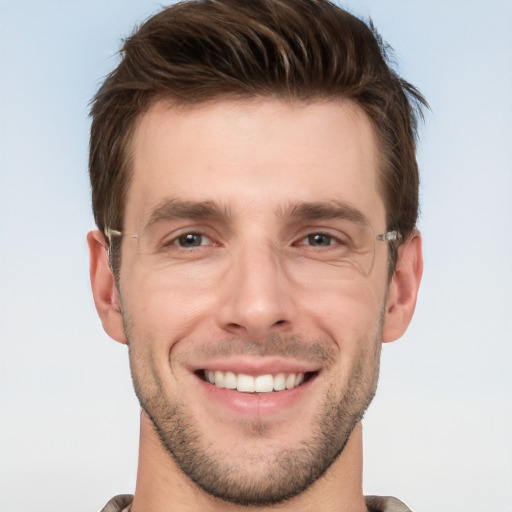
{"x":439,"y":432}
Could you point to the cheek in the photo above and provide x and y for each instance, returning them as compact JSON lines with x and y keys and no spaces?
{"x":158,"y":320}
{"x":165,"y":310}
{"x":348,"y":310}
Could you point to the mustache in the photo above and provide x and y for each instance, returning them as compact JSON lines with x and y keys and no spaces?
{"x":275,"y":345}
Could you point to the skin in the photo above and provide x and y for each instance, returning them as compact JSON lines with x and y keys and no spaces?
{"x":255,"y":298}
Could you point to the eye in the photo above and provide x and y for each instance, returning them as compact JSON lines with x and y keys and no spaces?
{"x":191,"y":240}
{"x":319,"y":240}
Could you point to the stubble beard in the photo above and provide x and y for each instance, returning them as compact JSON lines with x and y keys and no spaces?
{"x":288,"y":472}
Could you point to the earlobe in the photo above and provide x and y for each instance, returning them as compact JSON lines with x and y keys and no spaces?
{"x":104,"y":289}
{"x":403,"y":289}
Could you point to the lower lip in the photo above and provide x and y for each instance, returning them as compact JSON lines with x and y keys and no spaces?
{"x":256,"y":404}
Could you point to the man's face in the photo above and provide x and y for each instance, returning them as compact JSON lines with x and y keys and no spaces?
{"x":234,"y":280}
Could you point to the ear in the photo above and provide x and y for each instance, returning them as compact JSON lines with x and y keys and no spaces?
{"x":104,"y":289}
{"x":403,"y":289}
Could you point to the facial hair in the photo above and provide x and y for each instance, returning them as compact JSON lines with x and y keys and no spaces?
{"x":287,"y":472}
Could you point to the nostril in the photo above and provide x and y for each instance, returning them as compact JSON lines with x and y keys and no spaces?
{"x":234,"y":326}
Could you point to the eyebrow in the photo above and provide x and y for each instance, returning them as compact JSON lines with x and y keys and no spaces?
{"x":325,"y":210}
{"x":174,"y":208}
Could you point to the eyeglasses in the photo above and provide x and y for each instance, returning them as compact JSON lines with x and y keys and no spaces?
{"x":343,"y":243}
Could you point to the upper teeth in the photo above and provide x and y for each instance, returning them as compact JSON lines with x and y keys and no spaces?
{"x":249,"y":384}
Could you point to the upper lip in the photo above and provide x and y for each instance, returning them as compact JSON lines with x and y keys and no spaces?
{"x":256,"y":366}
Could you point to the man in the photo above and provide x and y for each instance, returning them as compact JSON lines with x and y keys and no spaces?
{"x":255,"y":190}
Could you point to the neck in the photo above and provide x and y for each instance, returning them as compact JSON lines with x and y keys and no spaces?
{"x":162,"y":487}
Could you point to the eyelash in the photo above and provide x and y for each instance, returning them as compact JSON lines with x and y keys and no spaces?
{"x":333,"y":240}
{"x":301,"y":242}
{"x":175,"y":241}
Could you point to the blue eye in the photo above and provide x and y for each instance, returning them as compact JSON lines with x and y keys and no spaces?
{"x":191,"y":240}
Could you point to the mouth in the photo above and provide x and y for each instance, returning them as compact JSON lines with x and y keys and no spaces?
{"x":264,"y":383}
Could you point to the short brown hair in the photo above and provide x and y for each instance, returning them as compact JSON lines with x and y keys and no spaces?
{"x":201,"y":50}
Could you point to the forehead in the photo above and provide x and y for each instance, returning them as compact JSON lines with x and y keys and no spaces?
{"x":254,"y":156}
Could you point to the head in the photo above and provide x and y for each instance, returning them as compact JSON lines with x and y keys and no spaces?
{"x":236,"y":140}
{"x":302,"y":50}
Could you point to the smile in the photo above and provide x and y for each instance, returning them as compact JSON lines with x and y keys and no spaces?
{"x":266,"y":383}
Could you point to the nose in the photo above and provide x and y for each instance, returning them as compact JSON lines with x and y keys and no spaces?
{"x":255,"y":296}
